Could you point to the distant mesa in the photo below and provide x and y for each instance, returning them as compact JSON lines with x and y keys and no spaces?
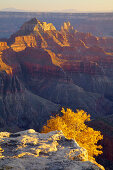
{"x":66,"y":11}
{"x":12,"y":10}
{"x":22,"y":10}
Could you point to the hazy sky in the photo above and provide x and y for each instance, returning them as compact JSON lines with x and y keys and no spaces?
{"x":51,"y":5}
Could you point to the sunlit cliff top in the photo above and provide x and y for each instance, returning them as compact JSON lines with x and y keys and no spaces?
{"x":52,"y":151}
{"x":36,"y":25}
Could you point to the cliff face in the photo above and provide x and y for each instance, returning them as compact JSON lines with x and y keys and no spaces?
{"x":46,"y":60}
{"x":43,"y":151}
{"x":22,"y":42}
{"x":68,"y":48}
{"x":34,"y":25}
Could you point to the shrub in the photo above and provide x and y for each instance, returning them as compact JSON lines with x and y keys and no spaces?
{"x":73,"y":126}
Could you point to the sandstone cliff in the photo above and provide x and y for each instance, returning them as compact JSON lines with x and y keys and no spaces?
{"x":80,"y":62}
{"x":46,"y":60}
{"x":68,"y":48}
{"x":3,"y":46}
{"x":22,"y":42}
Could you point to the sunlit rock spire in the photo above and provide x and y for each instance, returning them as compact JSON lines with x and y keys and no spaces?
{"x":34,"y":25}
{"x":67,"y":26}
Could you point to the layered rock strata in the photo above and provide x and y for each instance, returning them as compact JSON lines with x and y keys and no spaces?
{"x":43,"y":69}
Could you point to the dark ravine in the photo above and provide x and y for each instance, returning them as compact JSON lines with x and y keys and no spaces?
{"x":106,"y":129}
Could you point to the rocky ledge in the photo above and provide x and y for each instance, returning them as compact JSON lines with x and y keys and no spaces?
{"x":35,"y":151}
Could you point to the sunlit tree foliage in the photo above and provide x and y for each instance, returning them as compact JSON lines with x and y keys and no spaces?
{"x":73,"y":126}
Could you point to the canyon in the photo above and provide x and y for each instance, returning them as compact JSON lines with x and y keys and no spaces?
{"x":43,"y":69}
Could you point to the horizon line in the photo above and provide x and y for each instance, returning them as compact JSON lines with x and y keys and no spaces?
{"x":54,"y":11}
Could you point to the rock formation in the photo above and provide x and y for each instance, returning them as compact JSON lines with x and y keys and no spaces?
{"x":43,"y":69}
{"x":3,"y":46}
{"x":22,"y":42}
{"x":34,"y":25}
{"x":32,"y":150}
{"x":65,"y":67}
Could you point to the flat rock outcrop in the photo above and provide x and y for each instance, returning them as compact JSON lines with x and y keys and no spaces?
{"x":32,"y":150}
